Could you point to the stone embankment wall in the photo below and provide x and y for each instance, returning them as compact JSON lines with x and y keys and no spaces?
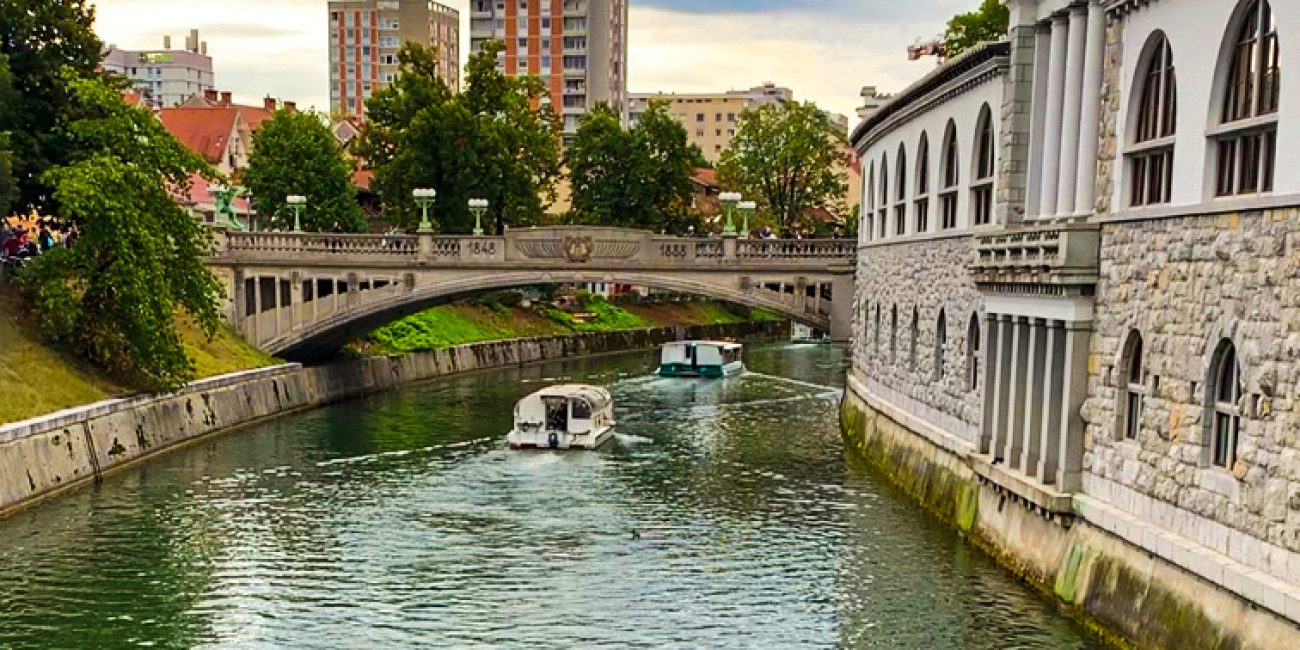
{"x":43,"y":456}
{"x":1121,"y":590}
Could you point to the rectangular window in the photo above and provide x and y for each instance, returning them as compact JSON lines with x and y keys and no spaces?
{"x":948,"y":210}
{"x":982,"y":196}
{"x":923,"y":215}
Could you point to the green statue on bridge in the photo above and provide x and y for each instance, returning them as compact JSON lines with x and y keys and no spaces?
{"x":223,"y":199}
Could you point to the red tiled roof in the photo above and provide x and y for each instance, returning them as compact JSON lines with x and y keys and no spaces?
{"x":361,"y":179}
{"x":253,"y":115}
{"x":706,"y":176}
{"x":205,"y":131}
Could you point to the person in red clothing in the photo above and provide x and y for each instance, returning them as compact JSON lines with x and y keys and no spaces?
{"x":15,"y":244}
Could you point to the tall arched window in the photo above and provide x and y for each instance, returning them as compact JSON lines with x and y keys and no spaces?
{"x":869,"y":214}
{"x":893,"y":335}
{"x":1151,"y":157}
{"x":940,"y":343}
{"x":1134,"y":390}
{"x":1226,"y":391}
{"x":882,"y":211}
{"x":973,"y":353}
{"x":900,"y":194}
{"x":1247,"y":139}
{"x":950,"y":179}
{"x":876,"y":331}
{"x":916,"y":327}
{"x":981,"y":186}
{"x":922,"y":202}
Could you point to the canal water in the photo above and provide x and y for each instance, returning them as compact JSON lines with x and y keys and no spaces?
{"x":724,"y":514}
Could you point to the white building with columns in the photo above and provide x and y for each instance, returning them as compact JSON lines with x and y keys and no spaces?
{"x":1079,"y":291}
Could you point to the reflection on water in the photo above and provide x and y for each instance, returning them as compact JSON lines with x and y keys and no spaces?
{"x":723,"y":514}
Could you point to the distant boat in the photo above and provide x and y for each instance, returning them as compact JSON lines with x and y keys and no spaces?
{"x":701,"y":359}
{"x":803,"y":334}
{"x":571,"y":416}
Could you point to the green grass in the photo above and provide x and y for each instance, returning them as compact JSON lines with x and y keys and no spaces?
{"x":458,"y":324}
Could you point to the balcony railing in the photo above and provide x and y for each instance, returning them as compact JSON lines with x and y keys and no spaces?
{"x":1060,"y":255}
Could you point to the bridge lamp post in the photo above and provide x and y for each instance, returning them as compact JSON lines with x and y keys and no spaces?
{"x":478,"y":207}
{"x":729,"y":199}
{"x":296,"y":203}
{"x":425,"y":197}
{"x":747,"y":209}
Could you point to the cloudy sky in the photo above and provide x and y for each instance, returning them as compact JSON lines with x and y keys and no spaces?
{"x":825,"y":50}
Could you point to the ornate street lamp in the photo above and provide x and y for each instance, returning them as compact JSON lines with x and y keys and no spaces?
{"x":478,"y":207}
{"x":425,"y":197}
{"x":729,"y":200}
{"x":747,"y":209}
{"x":296,"y":203}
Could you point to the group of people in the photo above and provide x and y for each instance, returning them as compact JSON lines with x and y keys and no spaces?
{"x":20,"y":241}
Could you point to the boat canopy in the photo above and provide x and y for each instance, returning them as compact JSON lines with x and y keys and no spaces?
{"x":585,"y":401}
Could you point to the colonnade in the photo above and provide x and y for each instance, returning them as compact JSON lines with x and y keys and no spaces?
{"x":1036,"y":383}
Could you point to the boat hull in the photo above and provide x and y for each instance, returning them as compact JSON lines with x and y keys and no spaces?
{"x":562,"y":441}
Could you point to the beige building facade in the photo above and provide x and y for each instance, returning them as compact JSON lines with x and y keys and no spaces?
{"x":710,"y":119}
{"x":365,"y":35}
{"x":165,"y":77}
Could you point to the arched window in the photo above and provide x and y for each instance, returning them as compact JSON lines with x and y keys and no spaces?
{"x":950,"y":179}
{"x":865,"y":326}
{"x":869,"y":213}
{"x":940,"y":343}
{"x":1134,"y":386}
{"x":922,"y":203}
{"x":1151,"y":157}
{"x":893,"y":335}
{"x":981,"y":186}
{"x":882,"y":210}
{"x":1225,"y":389}
{"x":916,"y":326}
{"x":1247,"y":139}
{"x":973,"y":353}
{"x":876,"y":331}
{"x":900,"y":194}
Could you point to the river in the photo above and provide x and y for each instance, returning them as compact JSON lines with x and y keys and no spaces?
{"x":723,"y":514}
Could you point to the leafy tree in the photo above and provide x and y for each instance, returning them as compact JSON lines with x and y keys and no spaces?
{"x":40,"y":38}
{"x":638,"y":178}
{"x":114,"y":297}
{"x":8,"y":185}
{"x":988,"y":23}
{"x":490,"y":142}
{"x":295,"y":153}
{"x":789,"y":158}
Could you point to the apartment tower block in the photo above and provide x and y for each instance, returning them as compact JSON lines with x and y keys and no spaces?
{"x":578,"y":47}
{"x":165,"y":77}
{"x":364,"y":36}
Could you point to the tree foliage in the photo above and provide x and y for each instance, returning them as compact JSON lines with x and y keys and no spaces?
{"x":114,"y":297}
{"x":295,"y":153}
{"x":988,"y":23}
{"x":789,"y":158}
{"x":490,"y":141}
{"x":8,"y":184}
{"x":637,"y":178}
{"x":40,"y":38}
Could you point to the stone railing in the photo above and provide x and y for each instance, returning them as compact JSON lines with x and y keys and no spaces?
{"x":1061,"y":255}
{"x":293,"y":243}
{"x":795,"y":248}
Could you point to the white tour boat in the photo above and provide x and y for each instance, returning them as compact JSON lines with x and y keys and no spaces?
{"x":701,"y":359}
{"x":571,"y":416}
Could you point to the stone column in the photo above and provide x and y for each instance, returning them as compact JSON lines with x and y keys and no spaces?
{"x":256,"y":319}
{"x":1019,"y":388}
{"x":729,"y":247}
{"x":1002,"y":386}
{"x":1015,"y":130}
{"x":1042,"y":66}
{"x":1095,"y":55}
{"x":1034,"y":397}
{"x":1055,"y":108}
{"x":1070,"y":117}
{"x":1053,"y":390}
{"x":990,"y":347}
{"x":241,"y":299}
{"x":1077,"y":338}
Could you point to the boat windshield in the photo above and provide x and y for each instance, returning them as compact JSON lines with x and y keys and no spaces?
{"x":581,"y":409}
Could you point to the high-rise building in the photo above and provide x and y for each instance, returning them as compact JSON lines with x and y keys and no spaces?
{"x":165,"y":77}
{"x":578,"y":47}
{"x":365,"y":36}
{"x":710,"y":119}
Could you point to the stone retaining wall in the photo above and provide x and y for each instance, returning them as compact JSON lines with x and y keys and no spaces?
{"x":1084,"y":561}
{"x":43,"y":456}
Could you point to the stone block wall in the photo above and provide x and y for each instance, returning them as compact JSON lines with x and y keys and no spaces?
{"x":1185,"y":284}
{"x":926,"y":276}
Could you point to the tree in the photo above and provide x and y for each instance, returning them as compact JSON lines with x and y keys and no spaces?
{"x":988,"y":23}
{"x":114,"y":297}
{"x":789,"y":158}
{"x":295,"y":153}
{"x":490,"y":142}
{"x":8,"y":185}
{"x":40,"y":39}
{"x":638,"y":178}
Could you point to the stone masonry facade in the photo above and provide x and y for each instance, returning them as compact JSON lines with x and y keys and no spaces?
{"x":920,"y":278}
{"x":1186,"y":284}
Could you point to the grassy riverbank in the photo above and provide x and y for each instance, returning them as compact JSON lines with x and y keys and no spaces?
{"x":36,"y":378}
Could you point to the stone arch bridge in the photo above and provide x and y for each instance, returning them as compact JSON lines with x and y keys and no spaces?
{"x":302,"y":296}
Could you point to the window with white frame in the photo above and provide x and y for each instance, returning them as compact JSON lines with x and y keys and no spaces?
{"x":1151,"y":157}
{"x":1134,"y":387}
{"x":950,"y":178}
{"x":900,"y":198}
{"x":882,"y":211}
{"x":921,"y":208}
{"x":1226,"y":393}
{"x":981,"y":186}
{"x":1246,"y":141}
{"x":869,"y":213}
